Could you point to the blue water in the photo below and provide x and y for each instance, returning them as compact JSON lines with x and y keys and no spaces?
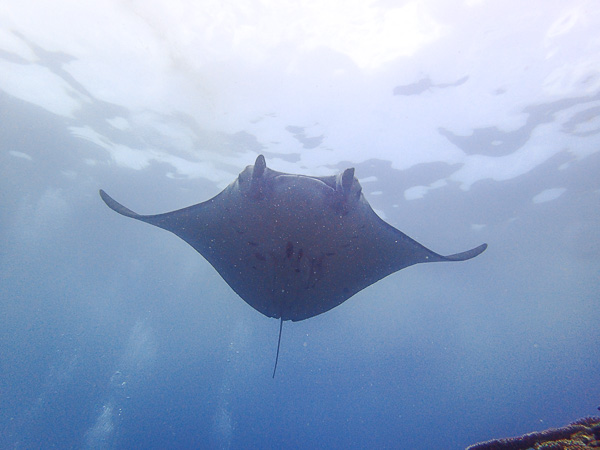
{"x":116,"y":334}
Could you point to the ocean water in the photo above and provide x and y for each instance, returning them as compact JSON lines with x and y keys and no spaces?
{"x":470,"y":123}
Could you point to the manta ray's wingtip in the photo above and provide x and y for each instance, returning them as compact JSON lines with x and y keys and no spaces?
{"x":469,"y":254}
{"x":116,"y":206}
{"x":106,"y":198}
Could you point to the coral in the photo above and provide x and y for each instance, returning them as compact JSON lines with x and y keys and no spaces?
{"x":579,"y":435}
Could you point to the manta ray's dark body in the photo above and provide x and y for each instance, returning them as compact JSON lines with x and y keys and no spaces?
{"x":293,"y":246}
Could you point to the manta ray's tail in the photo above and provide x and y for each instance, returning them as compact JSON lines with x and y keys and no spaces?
{"x":278,"y":345}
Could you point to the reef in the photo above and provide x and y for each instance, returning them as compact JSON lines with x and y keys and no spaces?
{"x":581,"y":434}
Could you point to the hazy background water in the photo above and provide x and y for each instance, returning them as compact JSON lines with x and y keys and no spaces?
{"x":467,"y":122}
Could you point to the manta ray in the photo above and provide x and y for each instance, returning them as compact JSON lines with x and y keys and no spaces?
{"x":293,"y":246}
